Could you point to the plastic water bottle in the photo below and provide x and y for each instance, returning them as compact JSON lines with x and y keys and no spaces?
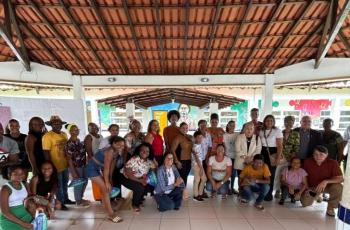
{"x":40,"y":221}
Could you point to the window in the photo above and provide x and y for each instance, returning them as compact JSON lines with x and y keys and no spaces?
{"x":324,"y":114}
{"x":344,"y":120}
{"x":280,"y":115}
{"x":226,"y":116}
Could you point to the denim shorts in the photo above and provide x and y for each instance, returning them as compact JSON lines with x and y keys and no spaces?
{"x":92,"y":169}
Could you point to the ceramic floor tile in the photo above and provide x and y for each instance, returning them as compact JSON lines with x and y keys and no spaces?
{"x":59,"y":224}
{"x":228,"y":212}
{"x":292,"y":224}
{"x":144,"y":224}
{"x":205,"y":224}
{"x":265,"y":224}
{"x":175,"y":224}
{"x":202,"y":212}
{"x":327,"y":223}
{"x":182,"y":213}
{"x":236,"y":224}
{"x":85,"y":224}
{"x":108,"y":225}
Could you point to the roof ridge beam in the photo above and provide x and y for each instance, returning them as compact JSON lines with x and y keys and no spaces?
{"x":334,"y":31}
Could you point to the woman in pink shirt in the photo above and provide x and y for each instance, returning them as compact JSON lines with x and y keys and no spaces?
{"x":293,"y":181}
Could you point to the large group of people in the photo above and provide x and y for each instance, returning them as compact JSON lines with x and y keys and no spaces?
{"x":300,"y":164}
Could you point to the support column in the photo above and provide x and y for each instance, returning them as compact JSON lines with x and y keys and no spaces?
{"x":79,"y":95}
{"x":213,"y":108}
{"x":94,"y":112}
{"x":344,"y":207}
{"x":267,"y":95}
{"x":130,"y":110}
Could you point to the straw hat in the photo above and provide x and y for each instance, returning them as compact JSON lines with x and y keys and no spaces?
{"x":53,"y":119}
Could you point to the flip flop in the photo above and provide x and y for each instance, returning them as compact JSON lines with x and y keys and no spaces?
{"x":260,"y":207}
{"x":116,"y":219}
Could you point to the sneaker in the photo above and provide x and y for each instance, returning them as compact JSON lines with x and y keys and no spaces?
{"x":198,"y":198}
{"x":69,"y":202}
{"x":64,"y":208}
{"x":330,"y":212}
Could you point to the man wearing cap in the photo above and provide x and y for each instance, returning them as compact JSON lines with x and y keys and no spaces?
{"x":54,"y":143}
{"x":8,"y":146}
{"x":172,"y":130}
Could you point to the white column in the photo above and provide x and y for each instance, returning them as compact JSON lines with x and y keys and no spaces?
{"x":213,"y":108}
{"x":94,"y":112}
{"x":344,"y":207}
{"x":267,"y":95}
{"x":79,"y":95}
{"x":130,"y":110}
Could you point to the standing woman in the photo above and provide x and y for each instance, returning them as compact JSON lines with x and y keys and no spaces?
{"x":272,"y":148}
{"x":13,"y":213}
{"x":247,"y":146}
{"x":113,"y":129}
{"x":229,"y":141}
{"x":12,"y":131}
{"x":170,"y":132}
{"x":100,"y":168}
{"x":182,"y":151}
{"x":76,"y":154}
{"x":92,"y":140}
{"x":216,"y":133}
{"x":156,"y":140}
{"x":134,"y":138}
{"x":33,"y":144}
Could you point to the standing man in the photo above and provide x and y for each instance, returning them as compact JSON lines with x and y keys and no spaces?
{"x":254,"y":115}
{"x":54,"y":143}
{"x":8,"y":146}
{"x":309,"y":138}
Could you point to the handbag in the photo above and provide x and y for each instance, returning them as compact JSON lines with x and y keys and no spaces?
{"x":273,"y":156}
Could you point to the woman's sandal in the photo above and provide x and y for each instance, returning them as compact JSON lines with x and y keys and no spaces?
{"x":115,"y":219}
{"x":260,"y":207}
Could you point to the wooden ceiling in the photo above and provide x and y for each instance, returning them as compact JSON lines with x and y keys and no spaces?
{"x":152,"y":97}
{"x":154,"y":37}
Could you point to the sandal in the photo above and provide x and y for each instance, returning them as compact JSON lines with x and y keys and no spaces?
{"x":136,"y":209}
{"x":115,"y":219}
{"x":260,"y":207}
{"x":243,"y":201}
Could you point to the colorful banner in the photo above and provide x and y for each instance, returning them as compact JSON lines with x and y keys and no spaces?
{"x":161,"y":117}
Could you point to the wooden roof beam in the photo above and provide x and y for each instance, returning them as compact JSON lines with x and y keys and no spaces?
{"x":159,"y":34}
{"x":77,"y":27}
{"x":275,"y":13}
{"x":187,"y":19}
{"x":133,"y":33}
{"x":308,"y":40}
{"x":57,"y":34}
{"x":344,"y":40}
{"x":45,"y":48}
{"x":212,"y":34}
{"x":96,"y":10}
{"x":235,"y":38}
{"x":334,"y":31}
{"x":264,"y":65}
{"x":6,"y":34}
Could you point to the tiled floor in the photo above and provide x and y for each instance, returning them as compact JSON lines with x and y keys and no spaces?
{"x":212,"y":214}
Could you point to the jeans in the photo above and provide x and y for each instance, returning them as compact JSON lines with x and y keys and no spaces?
{"x":233,"y":175}
{"x":169,"y":201}
{"x":62,"y":190}
{"x":249,"y":190}
{"x":79,"y":190}
{"x":116,"y":180}
{"x":223,"y":190}
{"x":137,"y":188}
{"x":285,"y":192}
